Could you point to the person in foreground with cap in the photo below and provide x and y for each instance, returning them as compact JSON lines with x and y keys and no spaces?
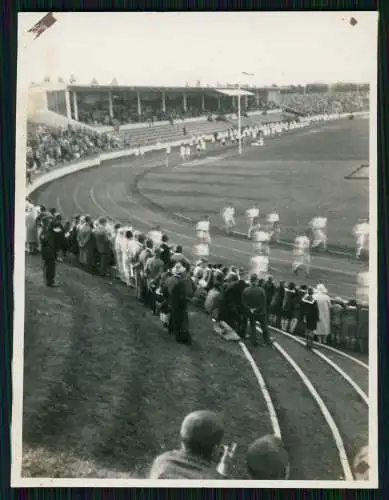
{"x":201,"y":436}
{"x":267,"y":459}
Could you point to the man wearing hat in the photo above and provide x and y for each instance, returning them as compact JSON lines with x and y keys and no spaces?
{"x":201,"y":435}
{"x":267,"y":459}
{"x":177,"y":293}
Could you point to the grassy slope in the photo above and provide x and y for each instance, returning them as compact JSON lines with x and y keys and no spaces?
{"x":105,"y":388}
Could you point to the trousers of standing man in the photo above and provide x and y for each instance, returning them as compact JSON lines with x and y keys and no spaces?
{"x":255,"y":316}
{"x":49,"y":270}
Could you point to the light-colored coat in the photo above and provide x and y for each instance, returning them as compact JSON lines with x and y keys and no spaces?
{"x":324,"y":305}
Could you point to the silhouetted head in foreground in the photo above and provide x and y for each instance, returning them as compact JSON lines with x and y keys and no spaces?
{"x":201,"y":433}
{"x":267,"y":459}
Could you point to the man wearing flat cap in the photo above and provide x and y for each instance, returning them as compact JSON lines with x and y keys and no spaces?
{"x":201,"y":435}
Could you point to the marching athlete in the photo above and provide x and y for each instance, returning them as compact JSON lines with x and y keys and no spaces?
{"x":361,"y":233}
{"x":187,"y":152}
{"x":228,"y":215}
{"x":259,"y":264}
{"x":318,"y":227}
{"x":273,"y":220}
{"x":301,"y":254}
{"x":201,"y":251}
{"x":252,"y":214}
{"x":182,"y":152}
{"x":202,"y":230}
{"x":261,"y":239}
{"x":155,"y":235}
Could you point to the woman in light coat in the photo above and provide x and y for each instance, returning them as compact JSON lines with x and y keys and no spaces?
{"x":324,"y":305}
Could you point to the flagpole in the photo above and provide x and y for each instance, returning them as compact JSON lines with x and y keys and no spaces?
{"x":239,"y":123}
{"x":239,"y":115}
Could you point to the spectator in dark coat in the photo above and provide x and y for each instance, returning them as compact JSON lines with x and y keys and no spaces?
{"x":59,"y":236}
{"x":165,"y":252}
{"x":103,"y":245}
{"x":48,"y":252}
{"x":270,"y":289}
{"x":233,"y":310}
{"x":276,"y":304}
{"x":255,"y":307}
{"x":297,"y":324}
{"x":310,"y":313}
{"x":176,"y":291}
{"x":289,"y":306}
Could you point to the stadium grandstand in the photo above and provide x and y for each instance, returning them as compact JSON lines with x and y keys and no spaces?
{"x":139,"y":116}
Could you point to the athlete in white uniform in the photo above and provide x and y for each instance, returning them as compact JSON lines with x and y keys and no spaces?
{"x":362,"y":293}
{"x":182,"y":152}
{"x":202,"y":230}
{"x":187,"y":152}
{"x":155,"y":235}
{"x":201,"y":251}
{"x":318,"y":226}
{"x":259,"y":265}
{"x":273,"y":220}
{"x":301,"y":254}
{"x":361,"y":233}
{"x":229,"y":217}
{"x":261,"y":239}
{"x":251,"y":214}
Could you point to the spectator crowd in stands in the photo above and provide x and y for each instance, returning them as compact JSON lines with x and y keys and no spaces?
{"x":125,"y":112}
{"x":49,"y":146}
{"x":317,"y":103}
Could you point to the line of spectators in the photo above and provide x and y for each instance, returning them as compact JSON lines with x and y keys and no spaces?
{"x":167,"y":281}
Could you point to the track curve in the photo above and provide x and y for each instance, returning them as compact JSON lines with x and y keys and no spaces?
{"x":111,"y":190}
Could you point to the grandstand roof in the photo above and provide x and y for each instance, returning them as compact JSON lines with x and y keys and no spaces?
{"x":141,"y":88}
{"x":234,"y":92}
{"x":144,"y":88}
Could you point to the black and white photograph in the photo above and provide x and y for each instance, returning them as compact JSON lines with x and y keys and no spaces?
{"x":195,"y":280}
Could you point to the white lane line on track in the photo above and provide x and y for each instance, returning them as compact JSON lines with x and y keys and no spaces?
{"x":147,"y":223}
{"x":75,"y":199}
{"x":59,"y":206}
{"x":348,"y":476}
{"x":124,"y":210}
{"x":344,"y":354}
{"x":329,"y":361}
{"x":265,"y":392}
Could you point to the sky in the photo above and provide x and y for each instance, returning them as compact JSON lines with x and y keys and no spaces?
{"x":174,"y":48}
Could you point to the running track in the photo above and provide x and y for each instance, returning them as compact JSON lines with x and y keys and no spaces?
{"x":326,"y":379}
